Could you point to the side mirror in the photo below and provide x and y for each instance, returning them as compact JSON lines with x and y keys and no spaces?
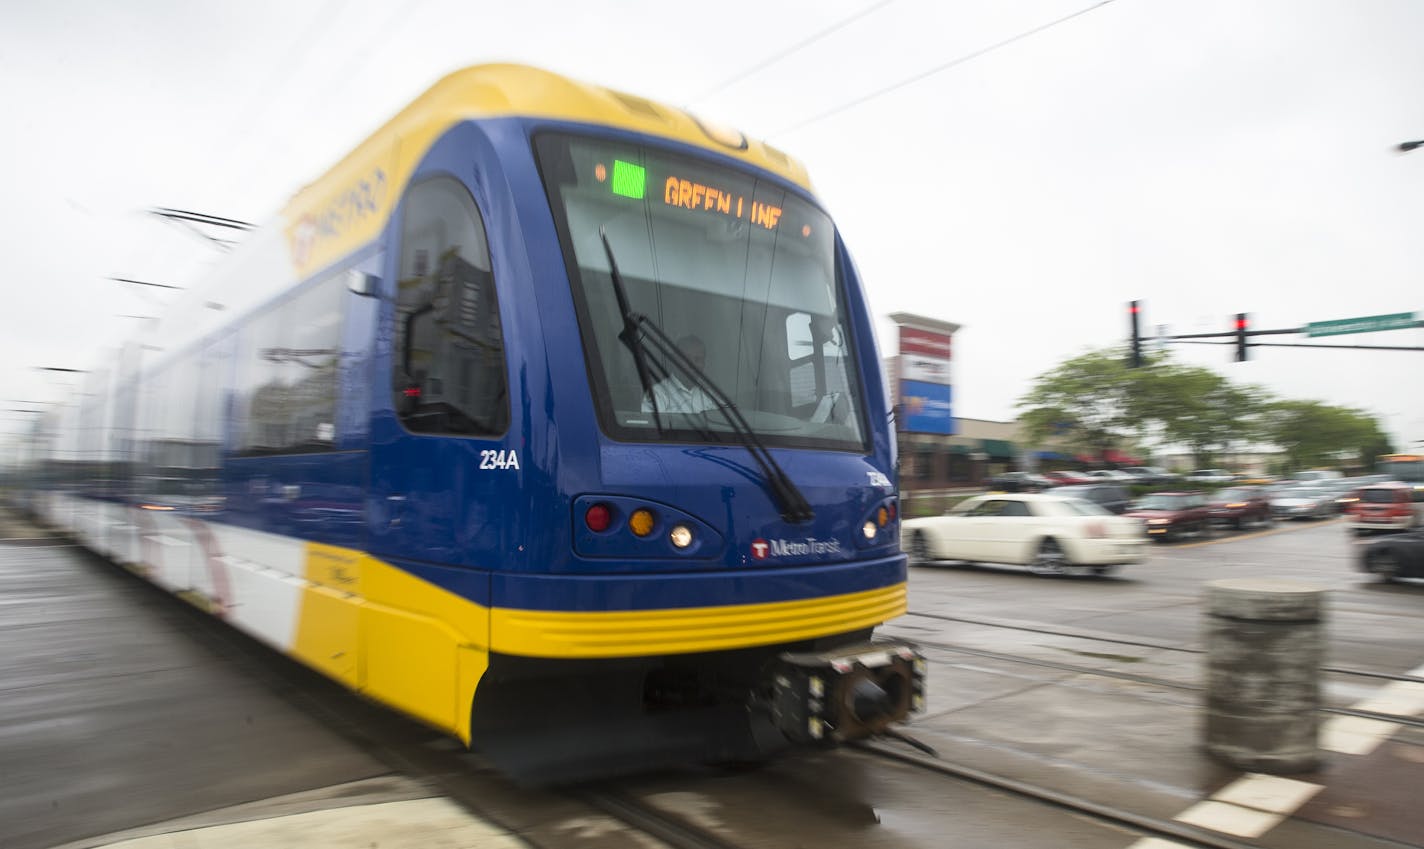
{"x":363,"y":285}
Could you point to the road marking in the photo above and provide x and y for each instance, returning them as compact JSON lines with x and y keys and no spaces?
{"x":1354,"y":735}
{"x":1267,"y":793}
{"x":1402,"y":698}
{"x":1230,"y":819}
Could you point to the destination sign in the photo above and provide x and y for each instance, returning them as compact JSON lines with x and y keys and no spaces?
{"x":631,"y":181}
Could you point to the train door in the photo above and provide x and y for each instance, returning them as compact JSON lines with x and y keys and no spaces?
{"x":442,"y":476}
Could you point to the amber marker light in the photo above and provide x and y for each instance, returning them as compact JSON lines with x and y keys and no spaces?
{"x":641,"y":522}
{"x":600,"y":172}
{"x":882,"y":516}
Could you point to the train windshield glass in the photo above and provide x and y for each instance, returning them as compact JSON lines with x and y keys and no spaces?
{"x":737,"y":271}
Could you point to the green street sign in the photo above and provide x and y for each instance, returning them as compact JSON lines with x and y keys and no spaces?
{"x":1365,"y":324}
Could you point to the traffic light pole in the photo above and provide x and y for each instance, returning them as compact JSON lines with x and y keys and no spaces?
{"x":1239,"y":337}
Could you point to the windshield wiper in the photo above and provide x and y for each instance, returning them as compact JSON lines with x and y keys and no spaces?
{"x":641,"y":333}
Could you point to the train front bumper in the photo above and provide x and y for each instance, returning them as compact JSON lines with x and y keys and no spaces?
{"x":849,"y":693}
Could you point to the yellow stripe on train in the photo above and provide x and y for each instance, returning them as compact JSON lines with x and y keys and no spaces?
{"x":422,"y":649}
{"x":555,"y":634}
{"x":393,"y":636}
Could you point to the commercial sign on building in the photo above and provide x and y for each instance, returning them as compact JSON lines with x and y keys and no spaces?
{"x":925,"y":408}
{"x":926,"y":347}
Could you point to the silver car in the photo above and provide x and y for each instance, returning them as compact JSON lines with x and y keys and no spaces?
{"x":1303,"y":503}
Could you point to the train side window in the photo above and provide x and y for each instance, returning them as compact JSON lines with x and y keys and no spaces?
{"x":287,"y":379}
{"x":448,"y":370}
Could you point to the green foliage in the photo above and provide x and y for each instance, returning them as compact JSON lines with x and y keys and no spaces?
{"x":1087,"y":400}
{"x":1315,"y":434}
{"x":1094,"y":402}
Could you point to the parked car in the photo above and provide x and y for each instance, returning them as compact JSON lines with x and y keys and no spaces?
{"x":1394,"y":556}
{"x":1210,"y":476}
{"x":1049,"y":533}
{"x":1172,"y":515}
{"x":1019,"y":482}
{"x":1110,"y":496}
{"x":1386,"y":507}
{"x":1316,"y":475}
{"x":1239,"y":506}
{"x":1111,"y":476}
{"x":1068,"y":478}
{"x":1303,"y":503}
{"x":1151,"y":474}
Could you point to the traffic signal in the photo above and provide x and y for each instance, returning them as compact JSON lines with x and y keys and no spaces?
{"x":1134,"y":311}
{"x":1241,"y":325}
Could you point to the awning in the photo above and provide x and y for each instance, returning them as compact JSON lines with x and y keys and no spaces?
{"x":1001,"y":448}
{"x":1112,"y":455}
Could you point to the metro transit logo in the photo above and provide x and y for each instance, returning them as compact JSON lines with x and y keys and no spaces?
{"x":762,"y":549}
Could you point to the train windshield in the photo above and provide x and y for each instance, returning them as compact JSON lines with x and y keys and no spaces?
{"x":738,"y":272}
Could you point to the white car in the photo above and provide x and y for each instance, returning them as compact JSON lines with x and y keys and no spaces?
{"x":1051,"y":534}
{"x":1210,"y":476}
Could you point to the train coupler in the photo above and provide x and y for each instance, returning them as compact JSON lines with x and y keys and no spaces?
{"x":849,"y":693}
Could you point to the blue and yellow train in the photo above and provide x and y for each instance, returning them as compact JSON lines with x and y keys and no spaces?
{"x":550,"y":416}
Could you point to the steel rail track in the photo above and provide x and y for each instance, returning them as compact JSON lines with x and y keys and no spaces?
{"x":1079,"y":635}
{"x":670,"y":829}
{"x":1147,"y":826}
{"x":1151,"y":681}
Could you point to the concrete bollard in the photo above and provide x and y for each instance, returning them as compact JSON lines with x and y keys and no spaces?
{"x":1265,"y":643}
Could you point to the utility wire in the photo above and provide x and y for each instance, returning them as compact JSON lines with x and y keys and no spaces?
{"x":777,"y":57}
{"x":938,"y":68}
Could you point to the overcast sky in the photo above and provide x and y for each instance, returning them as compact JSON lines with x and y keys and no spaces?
{"x":1206,"y":156}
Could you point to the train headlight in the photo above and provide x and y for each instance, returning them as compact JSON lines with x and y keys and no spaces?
{"x":868,"y":529}
{"x":680,"y":536}
{"x":641,"y":522}
{"x":815,"y":727}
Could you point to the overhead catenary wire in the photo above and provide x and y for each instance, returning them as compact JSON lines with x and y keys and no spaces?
{"x":957,"y":61}
{"x":782,"y":54}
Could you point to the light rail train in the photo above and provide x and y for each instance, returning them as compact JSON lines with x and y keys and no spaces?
{"x":550,"y":416}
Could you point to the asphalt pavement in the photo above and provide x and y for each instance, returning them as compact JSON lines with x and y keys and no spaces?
{"x":124,"y":722}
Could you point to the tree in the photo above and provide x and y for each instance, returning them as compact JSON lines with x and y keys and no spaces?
{"x":1315,"y":434}
{"x":1094,"y":402}
{"x":1087,"y":401}
{"x":1200,"y":409}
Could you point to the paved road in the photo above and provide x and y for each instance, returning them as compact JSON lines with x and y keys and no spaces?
{"x":120,"y":707}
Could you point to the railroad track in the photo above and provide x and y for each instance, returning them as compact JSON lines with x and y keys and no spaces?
{"x":1079,"y":635}
{"x":1153,"y":681}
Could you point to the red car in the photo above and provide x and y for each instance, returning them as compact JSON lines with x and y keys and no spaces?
{"x":1172,"y":515}
{"x":1240,"y":505}
{"x":1389,"y":506}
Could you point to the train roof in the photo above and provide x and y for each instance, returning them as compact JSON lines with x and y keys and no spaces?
{"x":376,"y":172}
{"x":347,"y":206}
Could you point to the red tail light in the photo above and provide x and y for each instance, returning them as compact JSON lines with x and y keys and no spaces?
{"x":598,"y":518}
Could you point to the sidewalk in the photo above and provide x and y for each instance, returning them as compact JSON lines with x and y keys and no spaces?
{"x":1137,"y":746}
